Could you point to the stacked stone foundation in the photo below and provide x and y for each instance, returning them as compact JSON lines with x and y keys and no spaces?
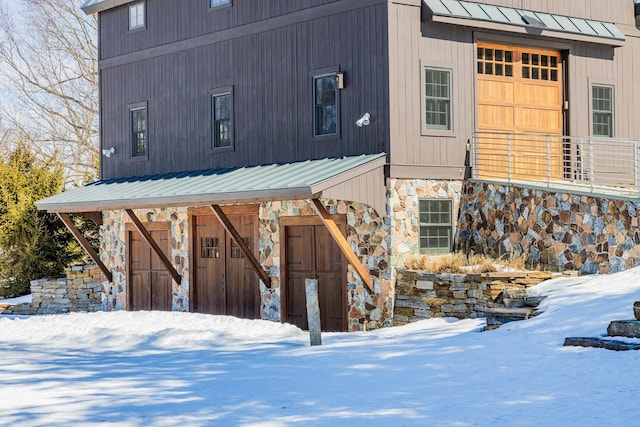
{"x":81,"y":290}
{"x":422,"y":295}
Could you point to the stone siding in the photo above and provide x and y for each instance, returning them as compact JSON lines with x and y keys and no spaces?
{"x":558,"y":231}
{"x":367,"y":233}
{"x":422,"y":295}
{"x":368,"y":236}
{"x":113,"y":242}
{"x":404,"y":199}
{"x":80,"y":290}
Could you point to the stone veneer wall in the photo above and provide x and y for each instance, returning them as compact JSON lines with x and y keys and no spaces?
{"x":403,"y":197}
{"x":560,"y":231}
{"x":113,"y":239}
{"x":367,"y":233}
{"x":421,"y":295}
{"x":80,"y":290}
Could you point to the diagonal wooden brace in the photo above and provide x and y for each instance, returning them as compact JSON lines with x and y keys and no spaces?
{"x":342,"y":243}
{"x":226,"y":223}
{"x":156,"y":248}
{"x":85,"y":245}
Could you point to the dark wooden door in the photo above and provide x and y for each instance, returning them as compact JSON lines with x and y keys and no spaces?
{"x":312,"y":254}
{"x":150,"y":282}
{"x":224,"y":282}
{"x":210,"y":279}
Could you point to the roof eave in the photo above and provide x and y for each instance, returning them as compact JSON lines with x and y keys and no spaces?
{"x":185,"y":200}
{"x":91,"y":6}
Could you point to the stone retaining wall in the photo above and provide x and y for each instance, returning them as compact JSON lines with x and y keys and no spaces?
{"x":559,"y":231}
{"x":422,"y":295}
{"x":81,"y":290}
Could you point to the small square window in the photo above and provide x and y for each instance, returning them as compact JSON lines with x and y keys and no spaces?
{"x":138,"y":126}
{"x":218,"y":3}
{"x":438,"y":98}
{"x":436,"y":225}
{"x":325,"y":105}
{"x":222,"y":119}
{"x":136,"y":15}
{"x":236,"y":252}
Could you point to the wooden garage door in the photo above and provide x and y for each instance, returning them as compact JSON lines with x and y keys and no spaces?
{"x":311,"y":253}
{"x":224,"y":281}
{"x":149,"y":280}
{"x":519,"y":92}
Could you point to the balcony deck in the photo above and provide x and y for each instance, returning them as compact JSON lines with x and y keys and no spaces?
{"x":582,"y":165}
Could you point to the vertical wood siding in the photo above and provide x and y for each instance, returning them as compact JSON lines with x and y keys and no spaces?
{"x":430,"y":155}
{"x":270,"y":73}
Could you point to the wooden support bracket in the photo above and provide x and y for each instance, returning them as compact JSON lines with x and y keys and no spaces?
{"x":96,"y":217}
{"x":85,"y":245}
{"x":226,"y":223}
{"x":156,"y":248}
{"x":342,"y":243}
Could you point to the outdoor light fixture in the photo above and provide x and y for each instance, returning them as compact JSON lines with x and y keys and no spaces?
{"x":107,"y":152}
{"x":364,"y":120}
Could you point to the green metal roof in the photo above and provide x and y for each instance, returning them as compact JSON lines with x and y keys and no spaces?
{"x":479,"y":12}
{"x":280,"y":181}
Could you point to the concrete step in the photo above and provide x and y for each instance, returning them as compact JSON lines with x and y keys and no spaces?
{"x":601,"y":343}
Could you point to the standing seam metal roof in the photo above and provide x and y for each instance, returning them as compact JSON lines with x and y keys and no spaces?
{"x":209,"y":186}
{"x":506,"y":15}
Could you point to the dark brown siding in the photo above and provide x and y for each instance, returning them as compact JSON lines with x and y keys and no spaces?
{"x":270,"y":72}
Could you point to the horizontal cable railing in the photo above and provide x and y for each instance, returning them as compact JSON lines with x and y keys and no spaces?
{"x":590,"y":164}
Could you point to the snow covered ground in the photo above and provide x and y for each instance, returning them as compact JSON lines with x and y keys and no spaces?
{"x":168,"y":369}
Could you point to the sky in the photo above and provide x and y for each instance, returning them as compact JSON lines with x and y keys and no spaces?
{"x":164,"y":369}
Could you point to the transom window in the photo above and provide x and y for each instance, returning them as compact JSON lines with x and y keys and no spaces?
{"x":437,"y":85}
{"x":138,"y":119}
{"x":602,"y":110}
{"x":222,"y":119}
{"x":136,"y":15}
{"x":216,"y":3}
{"x":496,"y":61}
{"x":325,"y":105}
{"x":436,"y":225}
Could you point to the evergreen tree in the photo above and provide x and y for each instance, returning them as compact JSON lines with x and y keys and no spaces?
{"x":33,"y":244}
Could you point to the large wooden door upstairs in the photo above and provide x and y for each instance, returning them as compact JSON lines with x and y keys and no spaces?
{"x":520,"y":99}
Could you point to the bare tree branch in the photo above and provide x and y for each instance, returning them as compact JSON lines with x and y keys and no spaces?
{"x":48,"y":59}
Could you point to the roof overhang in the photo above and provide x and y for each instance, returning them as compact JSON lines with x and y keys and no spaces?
{"x":341,"y":178}
{"x":94,"y":6}
{"x":498,"y":18}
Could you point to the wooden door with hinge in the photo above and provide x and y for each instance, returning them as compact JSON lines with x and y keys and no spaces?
{"x":224,"y":283}
{"x":519,"y":91}
{"x":149,"y":280}
{"x":311,"y":253}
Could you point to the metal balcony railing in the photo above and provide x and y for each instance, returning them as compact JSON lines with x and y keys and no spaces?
{"x":596,"y":165}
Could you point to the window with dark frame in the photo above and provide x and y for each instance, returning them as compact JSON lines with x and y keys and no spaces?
{"x":325,"y":105}
{"x":602,"y":110}
{"x":437,"y":85}
{"x":136,"y":15}
{"x":217,"y":3}
{"x":436,"y":225}
{"x":222,"y":119}
{"x":138,"y":118}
